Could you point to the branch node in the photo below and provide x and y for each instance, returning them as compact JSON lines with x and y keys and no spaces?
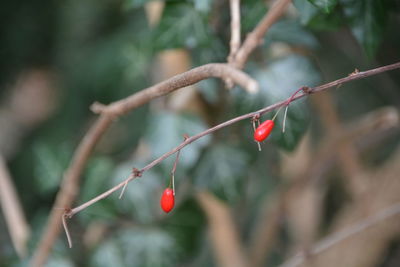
{"x":136,"y":172}
{"x":67,"y":215}
{"x":256,"y":117}
{"x":97,"y":108}
{"x":307,"y":90}
{"x":355,"y":72}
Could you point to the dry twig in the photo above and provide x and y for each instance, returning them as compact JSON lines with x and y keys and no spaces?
{"x":191,"y":139}
{"x":69,"y":187}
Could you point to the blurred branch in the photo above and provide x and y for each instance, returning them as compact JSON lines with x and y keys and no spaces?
{"x":306,"y":91}
{"x":235,"y":29}
{"x":340,"y":236}
{"x":254,"y":38}
{"x":266,"y":230}
{"x":347,"y":154}
{"x":69,"y":187}
{"x":223,"y":233}
{"x":13,"y":213}
{"x":216,"y":70}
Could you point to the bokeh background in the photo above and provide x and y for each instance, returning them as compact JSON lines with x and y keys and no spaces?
{"x":337,"y":162}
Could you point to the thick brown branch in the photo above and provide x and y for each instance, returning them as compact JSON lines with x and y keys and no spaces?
{"x":189,"y":140}
{"x":69,"y":187}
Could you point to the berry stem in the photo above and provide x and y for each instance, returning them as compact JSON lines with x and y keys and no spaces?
{"x":172,"y":181}
{"x":284,"y":119}
{"x":254,"y":128}
{"x":276,"y":114}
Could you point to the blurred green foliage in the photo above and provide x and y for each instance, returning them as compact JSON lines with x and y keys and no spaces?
{"x":105,"y":50}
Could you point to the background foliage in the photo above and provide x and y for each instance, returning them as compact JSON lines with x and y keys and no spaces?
{"x":106,"y":50}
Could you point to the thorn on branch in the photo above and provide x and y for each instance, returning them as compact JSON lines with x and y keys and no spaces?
{"x":355,"y":72}
{"x":136,"y":172}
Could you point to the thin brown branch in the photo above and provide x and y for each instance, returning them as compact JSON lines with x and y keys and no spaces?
{"x":191,"y":139}
{"x":266,"y":231}
{"x":69,"y":187}
{"x":223,"y":233}
{"x":254,"y":38}
{"x":340,"y":236}
{"x":347,"y":155}
{"x":235,"y":29}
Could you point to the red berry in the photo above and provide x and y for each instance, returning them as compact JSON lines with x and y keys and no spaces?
{"x":264,"y":130}
{"x":167,"y":200}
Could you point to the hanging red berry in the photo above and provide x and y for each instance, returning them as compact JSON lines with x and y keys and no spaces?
{"x":264,"y":130}
{"x":167,"y":200}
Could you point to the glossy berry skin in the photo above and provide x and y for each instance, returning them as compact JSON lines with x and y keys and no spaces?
{"x":167,"y":200}
{"x":264,"y":130}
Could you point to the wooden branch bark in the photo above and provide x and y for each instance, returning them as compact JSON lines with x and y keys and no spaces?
{"x":69,"y":186}
{"x":306,"y":91}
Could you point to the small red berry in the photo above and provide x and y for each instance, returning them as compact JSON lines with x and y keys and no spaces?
{"x":264,"y":130}
{"x":167,"y":200}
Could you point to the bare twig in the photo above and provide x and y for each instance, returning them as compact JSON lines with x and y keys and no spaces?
{"x":13,"y":213}
{"x":254,"y":38}
{"x":69,"y":187}
{"x":338,"y":237}
{"x":235,"y":29}
{"x":237,"y":119}
{"x":266,"y":230}
{"x":63,"y":217}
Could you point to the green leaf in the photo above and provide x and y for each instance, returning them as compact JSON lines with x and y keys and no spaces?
{"x":50,"y":163}
{"x":186,"y":225}
{"x":220,"y":170}
{"x":107,"y":254}
{"x":137,"y":247}
{"x":139,"y":199}
{"x":367,"y":19}
{"x":96,"y":182}
{"x":97,"y":177}
{"x":182,"y":26}
{"x":291,"y":32}
{"x":278,"y":81}
{"x":148,"y":247}
{"x":165,"y":131}
{"x":129,"y":4}
{"x":311,"y":16}
{"x":325,"y":5}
